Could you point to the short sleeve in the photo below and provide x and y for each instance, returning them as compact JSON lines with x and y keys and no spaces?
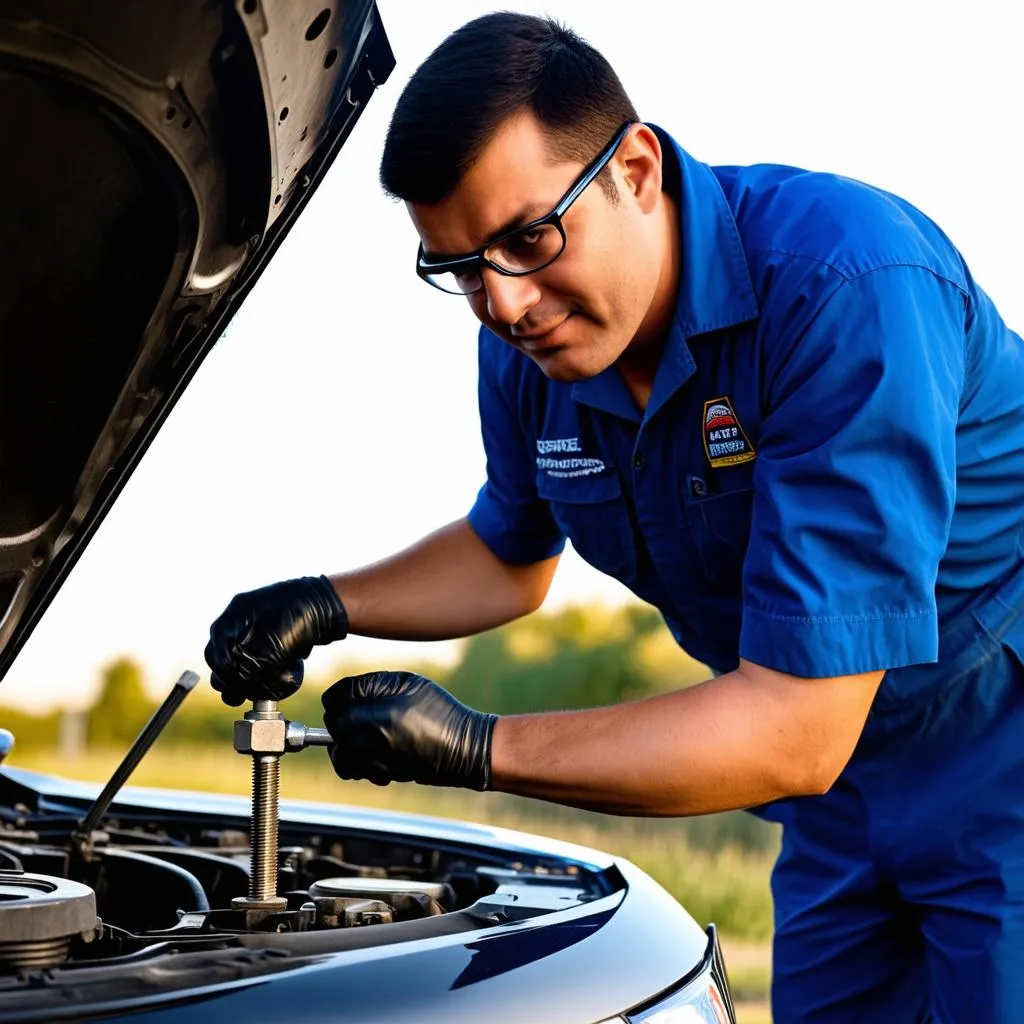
{"x":509,"y":516}
{"x":855,"y":479}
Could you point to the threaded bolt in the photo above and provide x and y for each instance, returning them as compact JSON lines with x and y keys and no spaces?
{"x":266,"y":784}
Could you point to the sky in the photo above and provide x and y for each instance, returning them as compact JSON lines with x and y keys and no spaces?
{"x":335,"y":421}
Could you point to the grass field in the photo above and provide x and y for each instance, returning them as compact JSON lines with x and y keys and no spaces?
{"x":749,"y":977}
{"x":753,"y":1013}
{"x":726,"y":885}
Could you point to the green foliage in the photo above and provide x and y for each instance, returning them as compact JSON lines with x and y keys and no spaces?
{"x":576,"y":658}
{"x":573,"y":658}
{"x":707,"y":833}
{"x":203,"y":719}
{"x":31,"y":732}
{"x":121,"y":707}
{"x":728,"y":888}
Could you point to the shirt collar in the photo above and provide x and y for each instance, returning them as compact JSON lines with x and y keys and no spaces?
{"x":715,"y":290}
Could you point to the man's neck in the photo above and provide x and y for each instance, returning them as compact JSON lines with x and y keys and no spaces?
{"x":638,"y":364}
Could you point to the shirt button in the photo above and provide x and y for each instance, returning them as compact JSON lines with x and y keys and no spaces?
{"x":638,"y":460}
{"x":697,"y":487}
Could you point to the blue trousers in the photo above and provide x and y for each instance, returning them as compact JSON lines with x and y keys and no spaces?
{"x":899,"y":894}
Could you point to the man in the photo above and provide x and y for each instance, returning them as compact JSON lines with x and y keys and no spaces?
{"x":775,"y":405}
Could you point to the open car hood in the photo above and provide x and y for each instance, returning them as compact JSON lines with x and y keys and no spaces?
{"x":155,"y":155}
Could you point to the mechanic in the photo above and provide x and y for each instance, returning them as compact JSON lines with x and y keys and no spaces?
{"x":775,"y":405}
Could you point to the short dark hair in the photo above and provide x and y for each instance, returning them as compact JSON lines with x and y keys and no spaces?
{"x":483,"y":73}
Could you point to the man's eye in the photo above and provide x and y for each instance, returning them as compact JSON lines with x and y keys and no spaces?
{"x":525,"y":241}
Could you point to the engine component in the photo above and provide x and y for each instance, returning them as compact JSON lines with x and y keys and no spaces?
{"x":276,"y":736}
{"x":139,"y":892}
{"x":262,"y":733}
{"x":39,"y":915}
{"x":346,"y":913}
{"x":266,"y":735}
{"x":406,"y":899}
{"x":389,"y":890}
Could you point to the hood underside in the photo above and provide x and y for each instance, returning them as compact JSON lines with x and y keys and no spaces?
{"x":155,"y":155}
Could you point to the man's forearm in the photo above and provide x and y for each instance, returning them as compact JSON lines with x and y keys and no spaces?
{"x":728,"y":743}
{"x":450,"y":584}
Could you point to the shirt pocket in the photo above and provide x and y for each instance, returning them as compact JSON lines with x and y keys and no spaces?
{"x":721,"y":527}
{"x":592,"y":513}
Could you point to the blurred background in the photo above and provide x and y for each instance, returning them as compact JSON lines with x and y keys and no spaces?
{"x":336,"y":421}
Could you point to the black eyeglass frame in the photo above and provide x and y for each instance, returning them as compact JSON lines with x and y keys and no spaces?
{"x":478,"y":259}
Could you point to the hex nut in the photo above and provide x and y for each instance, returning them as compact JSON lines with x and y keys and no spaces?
{"x":260,"y":737}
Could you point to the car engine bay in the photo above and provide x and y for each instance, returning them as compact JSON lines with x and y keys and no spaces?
{"x":97,"y":884}
{"x":159,"y":886}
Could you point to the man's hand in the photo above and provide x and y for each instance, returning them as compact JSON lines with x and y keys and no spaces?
{"x":401,"y":727}
{"x":258,"y":643}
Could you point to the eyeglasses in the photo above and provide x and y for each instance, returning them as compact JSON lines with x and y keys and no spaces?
{"x":520,"y":251}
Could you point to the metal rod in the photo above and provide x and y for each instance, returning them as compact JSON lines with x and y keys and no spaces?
{"x":299,"y":736}
{"x":150,"y":731}
{"x":266,"y":783}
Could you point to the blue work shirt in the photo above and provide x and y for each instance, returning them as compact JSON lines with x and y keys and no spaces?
{"x":831,"y":462}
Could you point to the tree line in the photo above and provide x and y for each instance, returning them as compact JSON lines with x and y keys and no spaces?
{"x":573,"y":658}
{"x":576,"y":657}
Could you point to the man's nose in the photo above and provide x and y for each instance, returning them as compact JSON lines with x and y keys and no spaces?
{"x":509,"y":299}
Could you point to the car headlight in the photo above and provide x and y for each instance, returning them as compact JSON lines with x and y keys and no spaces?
{"x":702,"y":997}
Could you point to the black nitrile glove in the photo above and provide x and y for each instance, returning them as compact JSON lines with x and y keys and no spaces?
{"x":400,"y":727}
{"x":258,"y":643}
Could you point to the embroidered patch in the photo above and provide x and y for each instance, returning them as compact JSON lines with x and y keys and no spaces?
{"x":724,"y":440}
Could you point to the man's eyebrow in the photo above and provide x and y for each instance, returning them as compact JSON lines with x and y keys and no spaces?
{"x":527,"y":214}
{"x":523,"y":217}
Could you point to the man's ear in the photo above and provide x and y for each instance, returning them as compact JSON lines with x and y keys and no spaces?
{"x":639,"y":159}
